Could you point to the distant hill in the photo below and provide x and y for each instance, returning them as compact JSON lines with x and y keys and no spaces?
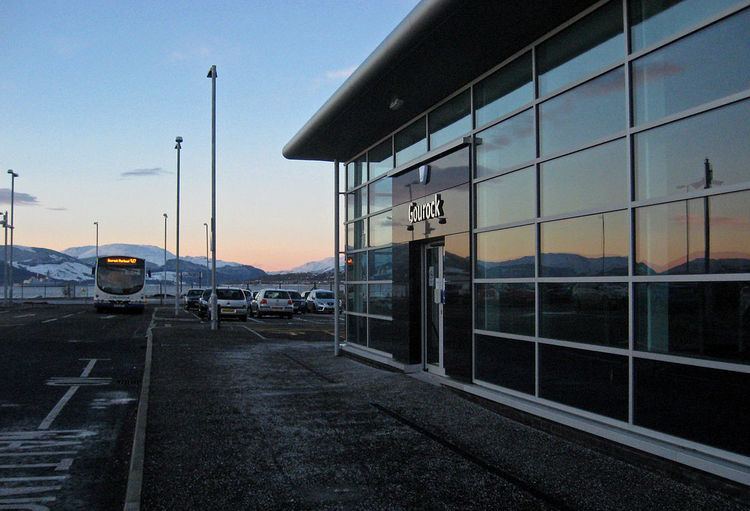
{"x":314,"y":267}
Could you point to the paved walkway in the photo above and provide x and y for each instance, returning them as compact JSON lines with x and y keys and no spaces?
{"x":238,"y":422}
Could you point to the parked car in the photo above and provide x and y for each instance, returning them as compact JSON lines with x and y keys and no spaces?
{"x":297,"y":301}
{"x":320,"y":300}
{"x":230,"y":302}
{"x":192,"y":297}
{"x":203,"y":303}
{"x":273,"y":301}
{"x":248,"y":298}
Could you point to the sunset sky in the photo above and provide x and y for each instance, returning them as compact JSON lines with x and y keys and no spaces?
{"x":94,"y":93}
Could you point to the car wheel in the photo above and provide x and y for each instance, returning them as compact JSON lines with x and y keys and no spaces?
{"x":258,"y":314}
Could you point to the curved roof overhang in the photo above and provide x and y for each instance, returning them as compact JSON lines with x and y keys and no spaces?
{"x":439,"y":47}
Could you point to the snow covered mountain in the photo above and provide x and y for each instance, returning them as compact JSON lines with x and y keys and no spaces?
{"x":47,"y":264}
{"x":150,"y":253}
{"x":316,"y":267}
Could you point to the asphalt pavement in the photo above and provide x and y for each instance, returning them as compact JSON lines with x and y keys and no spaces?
{"x":69,"y":381}
{"x":260,"y":415}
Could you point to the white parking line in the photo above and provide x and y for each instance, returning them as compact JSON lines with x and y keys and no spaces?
{"x":50,"y":320}
{"x":22,"y":479}
{"x":253,"y":331}
{"x":68,"y":315}
{"x":24,"y":316}
{"x":47,"y":422}
{"x":108,"y":317}
{"x":255,"y":320}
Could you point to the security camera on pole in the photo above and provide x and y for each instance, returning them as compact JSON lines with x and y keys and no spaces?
{"x":177,"y":240}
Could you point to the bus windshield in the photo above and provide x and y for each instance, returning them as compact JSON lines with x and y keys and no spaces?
{"x":120,"y":280}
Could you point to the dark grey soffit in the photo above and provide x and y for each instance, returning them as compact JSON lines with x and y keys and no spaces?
{"x":439,"y":47}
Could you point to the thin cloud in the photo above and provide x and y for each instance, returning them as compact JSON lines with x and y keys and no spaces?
{"x":340,"y":74}
{"x":155,"y":171}
{"x":57,"y":209}
{"x":21,"y":199}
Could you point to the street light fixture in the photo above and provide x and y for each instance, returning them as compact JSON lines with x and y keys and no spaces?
{"x":164,"y":268}
{"x":214,"y":311}
{"x":13,"y":176}
{"x":178,"y":146}
{"x":97,"y":240}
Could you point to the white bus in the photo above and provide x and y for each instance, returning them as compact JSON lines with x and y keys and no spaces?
{"x":120,"y":283}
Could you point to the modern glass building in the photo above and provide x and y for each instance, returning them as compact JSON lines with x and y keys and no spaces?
{"x":548,"y":205}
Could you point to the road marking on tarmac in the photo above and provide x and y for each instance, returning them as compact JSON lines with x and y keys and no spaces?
{"x":50,"y":320}
{"x":68,"y":315}
{"x":255,"y":320}
{"x":253,"y":331}
{"x":24,"y":316}
{"x":74,"y":386}
{"x":108,"y":317}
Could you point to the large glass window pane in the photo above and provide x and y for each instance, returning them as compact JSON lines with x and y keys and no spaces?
{"x":356,"y":266}
{"x":729,"y":236}
{"x":450,"y":120}
{"x":505,"y":362}
{"x":356,"y":298}
{"x":508,"y":253}
{"x":380,"y":299}
{"x":507,"y":308}
{"x":505,"y":145}
{"x":356,"y":172}
{"x":589,"y":44}
{"x":383,"y":335}
{"x":381,"y":194}
{"x":507,"y":198}
{"x":595,"y":178}
{"x":356,"y":203}
{"x":411,"y":142}
{"x":703,"y":151}
{"x":356,"y":330}
{"x":589,"y":112}
{"x":381,"y":158}
{"x":654,"y":20}
{"x":697,"y":319}
{"x":381,"y":264}
{"x":709,"y":406}
{"x":590,"y":312}
{"x":381,"y":229}
{"x":356,"y":235}
{"x":594,"y":245}
{"x":705,"y":66}
{"x":597,"y":382}
{"x":505,"y":90}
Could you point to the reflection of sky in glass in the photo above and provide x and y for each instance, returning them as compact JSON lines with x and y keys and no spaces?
{"x":381,"y":159}
{"x":503,"y":91}
{"x":380,"y":229}
{"x":381,"y":194}
{"x":450,"y":120}
{"x":380,"y":299}
{"x":668,"y":235}
{"x":506,"y":144}
{"x":357,"y":203}
{"x":653,"y":21}
{"x":508,"y":245}
{"x":671,"y":158}
{"x":581,"y":49}
{"x":411,"y":142}
{"x":589,"y":179}
{"x":702,"y":67}
{"x":507,"y":198}
{"x":381,"y":264}
{"x":588,"y":112}
{"x":588,"y":245}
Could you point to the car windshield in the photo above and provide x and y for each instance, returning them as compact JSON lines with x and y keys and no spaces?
{"x":120,"y":280}
{"x":195,"y":292}
{"x":230,"y":294}
{"x":294,"y":295}
{"x":324,"y":295}
{"x":206,"y":294}
{"x":277,"y":295}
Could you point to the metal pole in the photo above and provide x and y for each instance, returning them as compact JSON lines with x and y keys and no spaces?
{"x":208,"y":270}
{"x":5,"y":258}
{"x":13,"y":177}
{"x":214,"y":315}
{"x":177,"y":239}
{"x":97,"y":240}
{"x":336,"y":258}
{"x":164,"y":268}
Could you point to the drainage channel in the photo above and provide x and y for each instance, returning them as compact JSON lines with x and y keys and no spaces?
{"x":314,"y":371}
{"x":525,"y":486}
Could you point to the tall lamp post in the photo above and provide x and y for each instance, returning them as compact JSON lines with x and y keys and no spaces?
{"x":208,"y":271}
{"x":97,"y":240}
{"x":178,"y":146}
{"x":13,"y":177}
{"x":4,"y":223}
{"x":214,"y":315}
{"x":164,"y":268}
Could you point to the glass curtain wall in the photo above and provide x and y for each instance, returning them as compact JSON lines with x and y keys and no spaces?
{"x":611,"y":218}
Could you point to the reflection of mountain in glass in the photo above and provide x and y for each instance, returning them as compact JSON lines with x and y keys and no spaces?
{"x":729,"y":263}
{"x":555,"y":265}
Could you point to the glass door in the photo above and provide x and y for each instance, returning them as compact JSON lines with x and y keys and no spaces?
{"x":434,"y":302}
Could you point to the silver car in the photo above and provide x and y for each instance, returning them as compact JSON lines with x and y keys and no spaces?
{"x":273,"y":301}
{"x":320,"y":300}
{"x":230,"y":302}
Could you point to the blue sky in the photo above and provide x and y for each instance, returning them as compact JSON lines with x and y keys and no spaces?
{"x":93,"y":91}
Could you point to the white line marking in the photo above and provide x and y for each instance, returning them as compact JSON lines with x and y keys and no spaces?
{"x":4,"y":312}
{"x":24,"y":316}
{"x":68,"y":315}
{"x":26,"y":490}
{"x":22,"y":479}
{"x":50,"y":320}
{"x":108,"y":317}
{"x":253,"y":320}
{"x":52,"y":415}
{"x":63,"y":465}
{"x":253,"y":331}
{"x":40,"y":453}
{"x":80,"y":312}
